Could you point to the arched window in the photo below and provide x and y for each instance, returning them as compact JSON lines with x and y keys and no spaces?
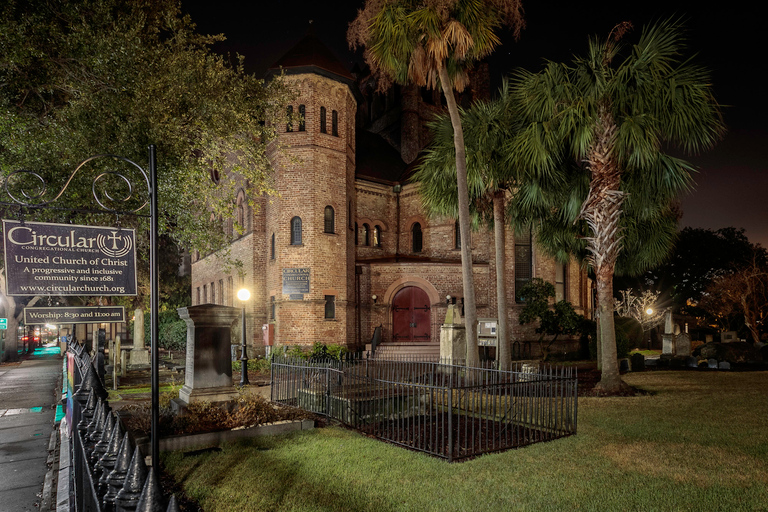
{"x":561,"y":281}
{"x":296,"y":231}
{"x":335,"y":123}
{"x":377,"y":236}
{"x":357,"y":237}
{"x":416,"y":237}
{"x":302,"y":115}
{"x":289,"y":126}
{"x":272,"y":248}
{"x":329,"y":220}
{"x":366,"y":234}
{"x":457,"y":234}
{"x":323,"y":128}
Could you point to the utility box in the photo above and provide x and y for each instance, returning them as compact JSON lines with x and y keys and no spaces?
{"x":486,"y":332}
{"x":268,"y":330}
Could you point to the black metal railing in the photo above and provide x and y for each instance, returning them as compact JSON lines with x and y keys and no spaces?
{"x":108,"y":472}
{"x":447,"y":410}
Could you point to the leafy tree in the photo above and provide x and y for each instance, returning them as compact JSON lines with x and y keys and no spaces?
{"x":486,"y":125}
{"x":554,"y":320}
{"x":433,"y":43}
{"x":90,"y":77}
{"x":595,"y":131}
{"x":699,"y":256}
{"x":743,"y":292}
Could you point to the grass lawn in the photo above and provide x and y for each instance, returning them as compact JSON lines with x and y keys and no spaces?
{"x":699,"y":443}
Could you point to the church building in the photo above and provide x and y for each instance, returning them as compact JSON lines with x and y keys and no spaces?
{"x":346,"y":246}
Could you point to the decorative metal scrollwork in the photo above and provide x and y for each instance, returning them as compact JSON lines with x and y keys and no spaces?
{"x":113,"y":190}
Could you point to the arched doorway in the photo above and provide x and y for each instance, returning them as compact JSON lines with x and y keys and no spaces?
{"x":411,"y":316}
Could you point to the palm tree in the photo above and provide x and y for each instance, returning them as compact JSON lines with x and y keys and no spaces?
{"x":486,"y":126}
{"x":613,"y":113}
{"x":433,"y":43}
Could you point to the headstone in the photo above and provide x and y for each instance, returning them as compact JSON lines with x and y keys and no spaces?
{"x":691,"y":362}
{"x":712,"y":363}
{"x":139,"y":354}
{"x":624,"y":365}
{"x":728,"y":337}
{"x":724,"y":365}
{"x":208,"y":372}
{"x":668,"y":322}
{"x":651,"y":361}
{"x":683,"y":344}
{"x":638,"y":362}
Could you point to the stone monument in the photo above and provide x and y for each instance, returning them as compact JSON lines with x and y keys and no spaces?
{"x":208,"y":371}
{"x":683,"y":344}
{"x":668,"y":338}
{"x":139,"y":353}
{"x":453,"y":336}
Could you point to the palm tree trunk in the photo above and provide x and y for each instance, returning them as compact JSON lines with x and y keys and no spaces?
{"x":504,"y":354}
{"x":468,"y":281}
{"x":602,"y":212}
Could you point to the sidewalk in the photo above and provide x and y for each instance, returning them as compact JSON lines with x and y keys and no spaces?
{"x":29,"y":393}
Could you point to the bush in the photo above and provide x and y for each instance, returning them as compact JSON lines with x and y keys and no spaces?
{"x":173,"y":335}
{"x":259,"y":364}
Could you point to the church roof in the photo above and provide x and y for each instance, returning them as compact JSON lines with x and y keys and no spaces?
{"x":310,"y":55}
{"x":376,"y":160}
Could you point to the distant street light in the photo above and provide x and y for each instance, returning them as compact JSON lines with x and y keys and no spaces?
{"x":243,"y":294}
{"x":649,"y":311}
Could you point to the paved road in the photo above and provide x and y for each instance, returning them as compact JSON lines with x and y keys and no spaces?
{"x":28,"y":397}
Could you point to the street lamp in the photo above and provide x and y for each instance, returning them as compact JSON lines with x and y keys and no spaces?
{"x":649,"y":311}
{"x":243,"y":294}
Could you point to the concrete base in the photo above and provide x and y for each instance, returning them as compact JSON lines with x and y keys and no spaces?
{"x":453,"y":343}
{"x":139,"y":357}
{"x":188,"y":395}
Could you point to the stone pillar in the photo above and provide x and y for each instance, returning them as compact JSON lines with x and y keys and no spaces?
{"x":208,"y":372}
{"x":139,"y":354}
{"x":453,"y":337}
{"x":667,"y":339}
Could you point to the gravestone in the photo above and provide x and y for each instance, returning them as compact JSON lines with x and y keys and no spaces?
{"x":624,"y":365}
{"x":724,"y":365}
{"x":453,"y":336}
{"x":139,"y":354}
{"x":208,"y":371}
{"x":638,"y":362}
{"x":692,"y":362}
{"x":683,"y":344}
{"x":712,"y":363}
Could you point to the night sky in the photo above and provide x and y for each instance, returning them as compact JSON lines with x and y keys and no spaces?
{"x":732,"y":183}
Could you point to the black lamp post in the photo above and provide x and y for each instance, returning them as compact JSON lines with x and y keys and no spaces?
{"x":243,"y":295}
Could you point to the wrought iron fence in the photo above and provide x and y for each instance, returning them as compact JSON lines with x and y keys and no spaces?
{"x":107,"y":470}
{"x":447,"y":410}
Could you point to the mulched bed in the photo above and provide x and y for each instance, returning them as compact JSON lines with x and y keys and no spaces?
{"x":472,"y":437}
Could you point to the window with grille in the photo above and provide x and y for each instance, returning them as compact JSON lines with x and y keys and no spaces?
{"x":561,"y":275}
{"x":330,"y":307}
{"x":366,"y":235}
{"x":523,"y":261}
{"x":329,"y":220}
{"x":302,"y":115}
{"x":289,"y":126}
{"x":296,"y":231}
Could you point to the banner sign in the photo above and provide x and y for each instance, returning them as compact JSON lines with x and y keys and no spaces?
{"x":295,"y":280}
{"x":66,"y":259}
{"x":81,"y":315}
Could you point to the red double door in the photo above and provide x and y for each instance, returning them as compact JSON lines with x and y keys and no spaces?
{"x":411,"y":319}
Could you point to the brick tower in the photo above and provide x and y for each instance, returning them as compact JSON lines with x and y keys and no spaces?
{"x":309,"y":228}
